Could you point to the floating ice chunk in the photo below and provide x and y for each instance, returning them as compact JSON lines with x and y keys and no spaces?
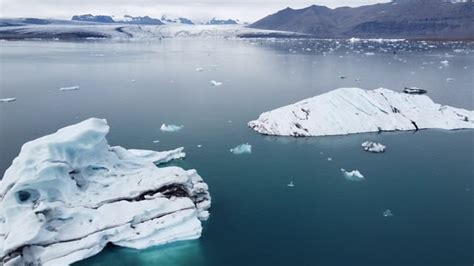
{"x":444,"y":63}
{"x":369,"y":54}
{"x":387,"y":213}
{"x":414,"y":90}
{"x":7,"y":100}
{"x":216,"y":83}
{"x":354,"y":175}
{"x":170,"y":128}
{"x":354,"y":110}
{"x":242,"y":149}
{"x":329,"y":159}
{"x":72,"y":88}
{"x":132,"y":80}
{"x":199,"y":69}
{"x":156,"y":141}
{"x":354,"y":40}
{"x":373,"y":147}
{"x":291,"y":184}
{"x":199,"y":146}
{"x":450,"y":79}
{"x":69,"y":194}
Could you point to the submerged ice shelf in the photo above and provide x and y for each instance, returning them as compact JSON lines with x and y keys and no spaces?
{"x":68,"y":194}
{"x":354,"y":110}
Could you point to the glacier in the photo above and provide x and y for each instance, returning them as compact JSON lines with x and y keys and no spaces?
{"x":68,"y":194}
{"x":353,"y":110}
{"x":118,"y":31}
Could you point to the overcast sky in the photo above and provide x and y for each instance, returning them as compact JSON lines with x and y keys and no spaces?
{"x":245,"y":10}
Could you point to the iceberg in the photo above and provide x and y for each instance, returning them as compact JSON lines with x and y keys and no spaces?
{"x":414,"y":90}
{"x":216,"y":83}
{"x":7,"y":100}
{"x":242,"y":149}
{"x":171,"y":128}
{"x":373,"y":147}
{"x":353,"y":175}
{"x":69,"y":194}
{"x":387,"y":213}
{"x":72,"y":88}
{"x":353,"y":110}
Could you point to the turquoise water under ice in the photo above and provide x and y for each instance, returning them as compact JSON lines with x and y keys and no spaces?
{"x":424,"y":178}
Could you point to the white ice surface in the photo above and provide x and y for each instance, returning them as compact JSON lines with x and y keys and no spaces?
{"x":353,"y":110}
{"x":68,"y":194}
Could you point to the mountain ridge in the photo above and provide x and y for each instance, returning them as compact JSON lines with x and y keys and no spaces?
{"x":396,"y":19}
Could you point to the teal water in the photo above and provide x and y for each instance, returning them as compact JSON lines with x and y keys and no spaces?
{"x":424,"y":178}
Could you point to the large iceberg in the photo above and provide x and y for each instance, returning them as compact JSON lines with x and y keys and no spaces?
{"x":69,"y":194}
{"x":353,"y":110}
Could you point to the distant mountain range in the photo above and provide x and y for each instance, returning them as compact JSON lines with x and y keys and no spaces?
{"x":148,"y":20}
{"x":424,"y":19}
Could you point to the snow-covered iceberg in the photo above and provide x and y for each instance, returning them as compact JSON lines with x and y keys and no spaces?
{"x":354,"y":110}
{"x":68,"y":194}
{"x":373,"y":147}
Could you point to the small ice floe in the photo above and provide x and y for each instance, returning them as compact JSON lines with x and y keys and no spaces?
{"x":291,"y":184}
{"x":414,"y":90}
{"x":354,"y":175}
{"x":369,"y":54}
{"x":199,"y":69}
{"x":387,"y":213}
{"x":373,"y":147}
{"x":242,"y":149}
{"x":156,"y":141}
{"x":71,"y":88}
{"x":199,"y":146}
{"x":132,"y":80}
{"x":170,"y":128}
{"x":450,"y":79}
{"x":444,"y":63}
{"x":7,"y":100}
{"x":329,"y":159}
{"x":229,"y":121}
{"x":342,"y":77}
{"x":216,"y":83}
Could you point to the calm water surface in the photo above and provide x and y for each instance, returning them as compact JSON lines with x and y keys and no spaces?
{"x":424,"y":178}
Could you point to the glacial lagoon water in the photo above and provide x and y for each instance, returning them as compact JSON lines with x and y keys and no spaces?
{"x":425,"y":178}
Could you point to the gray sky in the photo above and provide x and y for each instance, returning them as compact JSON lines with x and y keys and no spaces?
{"x":245,"y":10}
